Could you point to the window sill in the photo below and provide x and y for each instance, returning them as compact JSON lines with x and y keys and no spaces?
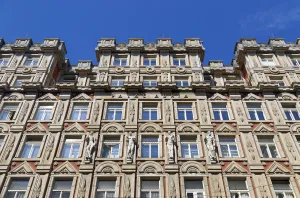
{"x":40,"y":121}
{"x":258,"y":121}
{"x":273,"y":159}
{"x":26,"y":159}
{"x":109,"y":159}
{"x":77,"y":120}
{"x":191,"y":159}
{"x":68,"y":159}
{"x":150,"y":159}
{"x":232,"y":159}
{"x":114,"y":120}
{"x":195,"y":120}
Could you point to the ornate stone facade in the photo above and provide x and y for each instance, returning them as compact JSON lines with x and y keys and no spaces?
{"x":150,"y":120}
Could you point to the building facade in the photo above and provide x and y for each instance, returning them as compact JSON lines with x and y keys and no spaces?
{"x":150,"y":121}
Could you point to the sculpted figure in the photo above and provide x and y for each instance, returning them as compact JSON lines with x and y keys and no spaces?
{"x":211,"y":146}
{"x":170,"y":139}
{"x":91,"y":142}
{"x":130,"y":146}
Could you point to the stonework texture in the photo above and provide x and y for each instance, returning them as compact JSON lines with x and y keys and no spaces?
{"x":149,"y":120}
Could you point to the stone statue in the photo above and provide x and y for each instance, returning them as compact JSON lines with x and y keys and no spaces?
{"x":211,"y":146}
{"x":165,"y":77}
{"x":102,"y":76}
{"x":170,"y":139}
{"x":133,"y":76}
{"x":91,"y":142}
{"x":197,"y":77}
{"x":130,"y":147}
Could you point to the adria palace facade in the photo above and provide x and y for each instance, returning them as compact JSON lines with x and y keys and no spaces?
{"x":149,"y":120}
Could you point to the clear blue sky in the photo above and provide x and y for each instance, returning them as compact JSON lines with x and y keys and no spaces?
{"x":81,"y":23}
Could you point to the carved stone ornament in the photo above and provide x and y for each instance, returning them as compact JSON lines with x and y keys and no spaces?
{"x":170,"y":140}
{"x":127,"y":187}
{"x":181,"y":69}
{"x":150,"y":70}
{"x":91,"y":142}
{"x":210,"y":143}
{"x":120,"y":70}
{"x":274,"y":70}
{"x":27,"y":70}
{"x":250,"y":148}
{"x":37,"y":187}
{"x":172,"y":188}
{"x":82,"y":187}
{"x":150,"y":46}
{"x":131,"y":141}
{"x":7,"y":149}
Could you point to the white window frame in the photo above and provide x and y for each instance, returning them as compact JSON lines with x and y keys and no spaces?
{"x":195,"y":191}
{"x":2,"y":59}
{"x":87,"y":104}
{"x":33,"y":59}
{"x":16,"y":191}
{"x":179,"y":58}
{"x":182,"y":80}
{"x":256,"y":110}
{"x":21,"y":79}
{"x":228,"y":144}
{"x":284,"y":192}
{"x":150,"y":146}
{"x":220,"y":110}
{"x":120,"y":81}
{"x":150,"y":110}
{"x":105,"y":141}
{"x":16,"y":110}
{"x":44,"y":108}
{"x":189,"y":142}
{"x":32,"y":144}
{"x":267,"y":60}
{"x":297,"y":61}
{"x":71,"y":140}
{"x":290,"y":110}
{"x":267,"y":146}
{"x":114,"y":109}
{"x":150,"y":190}
{"x":121,"y":59}
{"x":150,"y":81}
{"x":52,"y":189}
{"x":185,"y":109}
{"x":150,"y":59}
{"x":239,"y":192}
{"x":106,"y":190}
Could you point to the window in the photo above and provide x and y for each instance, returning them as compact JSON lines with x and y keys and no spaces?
{"x":150,"y":189}
{"x":185,"y":112}
{"x":189,"y":147}
{"x":79,"y":112}
{"x":194,"y":189}
{"x":149,"y":61}
{"x":117,"y":82}
{"x":149,"y":82}
{"x":291,"y":112}
{"x":44,"y":112}
{"x":296,"y":62}
{"x":179,"y":61}
{"x":114,"y":111}
{"x":120,"y":61}
{"x":71,"y":148}
{"x":61,"y":189}
{"x":17,"y":188}
{"x":4,"y":62}
{"x":182,"y":82}
{"x":106,"y":189}
{"x":228,"y":147}
{"x":277,"y":79}
{"x":31,"y":61}
{"x":8,"y":111}
{"x":238,"y":188}
{"x":268,"y":147}
{"x":111,"y":147}
{"x":20,"y":79}
{"x":149,"y":111}
{"x":1,"y":142}
{"x":150,"y":147}
{"x":282,"y":189}
{"x":220,"y":111}
{"x":256,"y":111}
{"x":267,"y":61}
{"x":297,"y":137}
{"x":31,"y":148}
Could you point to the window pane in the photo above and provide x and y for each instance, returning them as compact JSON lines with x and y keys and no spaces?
{"x":281,"y":185}
{"x":4,"y":115}
{"x":83,"y":115}
{"x":264,"y":151}
{"x":145,"y":115}
{"x":237,"y":185}
{"x":118,"y":115}
{"x":193,"y":184}
{"x":189,"y":115}
{"x":225,"y":115}
{"x":75,"y":150}
{"x":74,"y":115}
{"x":185,"y":150}
{"x":234,"y":152}
{"x":181,"y":115}
{"x":194,"y":151}
{"x":260,"y":115}
{"x":18,"y":184}
{"x":217,"y":115}
{"x":110,"y":115}
{"x":104,"y":185}
{"x":151,"y":185}
{"x":288,"y":115}
{"x":39,"y":115}
{"x":26,"y":151}
{"x":273,"y":151}
{"x":224,"y":150}
{"x":154,"y":151}
{"x":252,"y":115}
{"x":145,"y":150}
{"x":153,"y":115}
{"x":62,"y":185}
{"x":296,"y":115}
{"x":66,"y":151}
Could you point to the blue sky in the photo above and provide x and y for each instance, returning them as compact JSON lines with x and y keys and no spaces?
{"x":219,"y":24}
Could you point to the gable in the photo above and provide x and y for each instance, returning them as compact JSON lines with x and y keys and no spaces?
{"x":252,"y":97}
{"x":262,"y":128}
{"x":225,"y":128}
{"x":23,"y":168}
{"x":47,"y":97}
{"x":276,"y":168}
{"x":37,"y":128}
{"x":65,"y":168}
{"x":74,"y":128}
{"x":218,"y":96}
{"x":81,"y":96}
{"x":234,"y":168}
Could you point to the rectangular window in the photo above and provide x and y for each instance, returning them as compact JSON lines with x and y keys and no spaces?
{"x":118,"y":61}
{"x":185,"y":111}
{"x":220,"y":111}
{"x":277,"y":79}
{"x":20,"y":79}
{"x":149,"y":111}
{"x":238,"y":188}
{"x":282,"y":189}
{"x":268,"y":147}
{"x":79,"y":111}
{"x":189,"y":147}
{"x":149,"y":61}
{"x":256,"y":112}
{"x":31,"y":148}
{"x":267,"y":61}
{"x":182,"y":82}
{"x":4,"y":62}
{"x":44,"y":112}
{"x":106,"y":189}
{"x":17,"y":188}
{"x":71,"y":148}
{"x":61,"y":189}
{"x":149,"y":82}
{"x":111,"y":147}
{"x":117,"y":82}
{"x":8,"y":111}
{"x":150,"y":189}
{"x":228,"y":147}
{"x":150,"y":147}
{"x":31,"y":61}
{"x":114,"y":111}
{"x":194,"y":189}
{"x":179,"y":61}
{"x":296,"y":62}
{"x":291,"y":111}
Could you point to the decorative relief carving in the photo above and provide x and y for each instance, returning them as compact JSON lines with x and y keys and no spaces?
{"x":250,"y":148}
{"x":262,"y":188}
{"x":240,"y":113}
{"x":132,"y":111}
{"x":290,"y":147}
{"x":48,"y":147}
{"x":37,"y":187}
{"x":96,"y":111}
{"x":133,"y":76}
{"x":165,"y":77}
{"x":172,"y":188}
{"x":82,"y":187}
{"x":8,"y":148}
{"x":127,"y":187}
{"x":60,"y":111}
{"x":168,"y":112}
